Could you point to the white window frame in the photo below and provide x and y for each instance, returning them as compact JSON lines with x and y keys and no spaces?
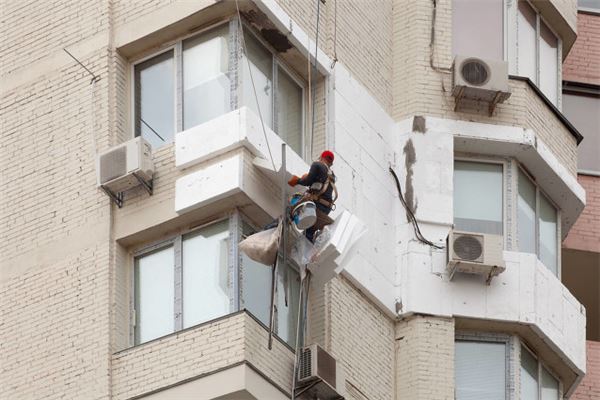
{"x":234,"y":263}
{"x":515,"y":43}
{"x":177,"y":243}
{"x":492,"y":338}
{"x":235,"y":66}
{"x":505,"y":165}
{"x":538,"y":193}
{"x":132,"y":87}
{"x":278,"y":62}
{"x":540,"y":364}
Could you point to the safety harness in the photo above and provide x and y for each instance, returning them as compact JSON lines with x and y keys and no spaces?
{"x":317,"y":190}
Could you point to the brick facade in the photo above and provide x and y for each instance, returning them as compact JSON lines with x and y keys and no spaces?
{"x":425,"y":358}
{"x":583,"y":62}
{"x":589,"y":388}
{"x":584,"y":235}
{"x":65,"y":279}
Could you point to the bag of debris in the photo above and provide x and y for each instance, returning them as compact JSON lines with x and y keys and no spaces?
{"x":262,"y":246}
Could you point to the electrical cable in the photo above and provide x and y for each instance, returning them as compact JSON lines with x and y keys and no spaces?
{"x":432,"y":41}
{"x":411,"y":216}
{"x":237,"y":6}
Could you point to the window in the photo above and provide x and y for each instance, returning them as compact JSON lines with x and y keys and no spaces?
{"x":537,"y":223}
{"x":155,"y":99}
{"x":279,"y":96}
{"x":583,"y":110}
{"x":477,"y":28}
{"x":478,"y":197}
{"x":537,"y":51}
{"x":480,"y":370}
{"x":255,"y":281}
{"x":183,"y":283}
{"x":537,"y":383}
{"x":192,"y":83}
{"x":191,"y":278}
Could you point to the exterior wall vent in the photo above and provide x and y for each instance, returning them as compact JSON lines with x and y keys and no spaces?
{"x":475,"y":253}
{"x":480,"y":80}
{"x":319,"y":374}
{"x":124,"y":167}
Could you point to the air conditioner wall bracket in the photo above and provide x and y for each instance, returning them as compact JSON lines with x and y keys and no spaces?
{"x":116,"y":198}
{"x":148,"y":185}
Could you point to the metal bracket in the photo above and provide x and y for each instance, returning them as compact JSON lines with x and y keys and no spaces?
{"x":488,"y":281}
{"x":117,"y":198}
{"x":458,"y":98}
{"x":494,"y":102}
{"x":149,"y":186}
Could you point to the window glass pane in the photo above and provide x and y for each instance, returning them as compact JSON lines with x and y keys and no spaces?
{"x":548,"y":226}
{"x":478,"y":197}
{"x":549,"y":386}
{"x":529,"y":376}
{"x":480,"y":371}
{"x":526,"y":217}
{"x":154,"y":293}
{"x":526,"y":38}
{"x":261,"y":64}
{"x":155,"y":99}
{"x":255,"y":278}
{"x":288,"y":292}
{"x":548,"y":63}
{"x":289,"y":111}
{"x":205,"y":274}
{"x":477,"y":28}
{"x":584,"y":114}
{"x":206,"y":85}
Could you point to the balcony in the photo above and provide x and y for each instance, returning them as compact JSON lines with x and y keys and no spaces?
{"x":221,"y":357}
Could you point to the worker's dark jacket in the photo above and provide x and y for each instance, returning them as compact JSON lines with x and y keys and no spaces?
{"x":318,"y":173}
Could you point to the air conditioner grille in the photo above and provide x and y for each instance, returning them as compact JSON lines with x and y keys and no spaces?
{"x":113,"y":164}
{"x":305,"y":363}
{"x":475,"y":72}
{"x":468,"y":248}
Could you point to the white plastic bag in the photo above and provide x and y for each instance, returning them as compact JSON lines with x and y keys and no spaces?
{"x":262,"y":246}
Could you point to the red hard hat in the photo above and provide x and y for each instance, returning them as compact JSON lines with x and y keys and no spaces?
{"x":327,"y":154}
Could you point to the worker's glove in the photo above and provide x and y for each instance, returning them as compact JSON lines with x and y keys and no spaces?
{"x":294,"y":181}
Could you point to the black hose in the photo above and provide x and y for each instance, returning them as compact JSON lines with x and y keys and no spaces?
{"x":411,"y":216}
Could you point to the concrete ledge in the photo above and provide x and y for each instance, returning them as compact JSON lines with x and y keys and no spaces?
{"x":527,"y":293}
{"x":238,"y":382}
{"x":236,"y":129}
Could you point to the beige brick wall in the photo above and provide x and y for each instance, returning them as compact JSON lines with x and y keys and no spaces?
{"x":39,"y":29}
{"x":55,"y":329}
{"x":361,"y":337}
{"x":364,"y":38}
{"x":425,"y":358}
{"x":54,"y":275}
{"x":197,"y":351}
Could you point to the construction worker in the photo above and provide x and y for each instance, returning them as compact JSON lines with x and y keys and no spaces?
{"x":321,"y":189}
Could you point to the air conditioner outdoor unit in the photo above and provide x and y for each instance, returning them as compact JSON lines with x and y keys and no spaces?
{"x":125,"y":166}
{"x":475,"y":253}
{"x":480,"y":80}
{"x":319,"y":374}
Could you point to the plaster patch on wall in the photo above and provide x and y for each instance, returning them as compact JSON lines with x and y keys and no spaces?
{"x":410,"y":158}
